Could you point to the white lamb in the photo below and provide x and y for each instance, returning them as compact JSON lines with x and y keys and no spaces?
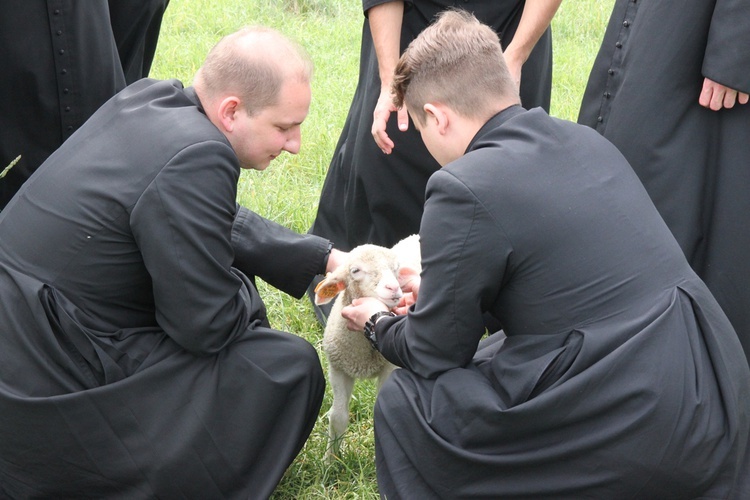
{"x":372,"y":271}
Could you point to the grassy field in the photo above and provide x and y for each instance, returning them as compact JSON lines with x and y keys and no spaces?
{"x":288,"y":191}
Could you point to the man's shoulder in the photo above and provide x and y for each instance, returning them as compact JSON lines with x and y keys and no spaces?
{"x":530,"y":143}
{"x":163,"y":93}
{"x":156,"y":118}
{"x":530,"y":133}
{"x":152,"y":85}
{"x":158,"y":104}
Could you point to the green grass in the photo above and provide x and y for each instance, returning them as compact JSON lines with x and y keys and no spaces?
{"x":288,"y":191}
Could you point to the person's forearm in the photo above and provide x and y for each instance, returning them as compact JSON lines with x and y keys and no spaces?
{"x":283,"y":258}
{"x":385,"y":25}
{"x":535,"y":19}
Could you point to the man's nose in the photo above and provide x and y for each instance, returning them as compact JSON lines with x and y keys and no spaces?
{"x":293,"y":142}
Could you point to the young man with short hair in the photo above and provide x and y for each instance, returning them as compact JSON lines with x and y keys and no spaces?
{"x":616,"y":374}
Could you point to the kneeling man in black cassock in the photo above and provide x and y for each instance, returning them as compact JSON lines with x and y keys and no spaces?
{"x":137,"y":360}
{"x":616,"y":374}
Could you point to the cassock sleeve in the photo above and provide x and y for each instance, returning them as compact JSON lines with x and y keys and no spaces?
{"x":279,"y":256}
{"x":182,"y":224}
{"x":464,"y":256}
{"x":369,"y":4}
{"x":727,"y":56}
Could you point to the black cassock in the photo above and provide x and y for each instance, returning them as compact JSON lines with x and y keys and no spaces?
{"x":642,"y":95}
{"x":371,"y":197}
{"x":61,"y":60}
{"x":620,"y":376}
{"x":136,"y":361}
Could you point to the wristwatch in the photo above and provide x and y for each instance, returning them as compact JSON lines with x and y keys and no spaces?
{"x":370,"y":327}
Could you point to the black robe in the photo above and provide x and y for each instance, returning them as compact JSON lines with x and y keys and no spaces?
{"x":642,"y":95}
{"x":620,"y":376}
{"x":371,"y":197}
{"x":61,"y":60}
{"x":136,"y":25}
{"x":137,"y":360}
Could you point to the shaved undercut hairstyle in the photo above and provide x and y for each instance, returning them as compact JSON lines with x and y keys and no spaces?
{"x":457,"y":61}
{"x":253,"y":63}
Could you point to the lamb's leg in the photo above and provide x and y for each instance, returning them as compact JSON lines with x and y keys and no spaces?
{"x":338,"y":416}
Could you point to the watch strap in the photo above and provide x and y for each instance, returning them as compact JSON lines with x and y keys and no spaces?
{"x":370,"y":327}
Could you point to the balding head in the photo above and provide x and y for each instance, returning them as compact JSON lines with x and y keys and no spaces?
{"x":253,"y":64}
{"x":255,"y":88}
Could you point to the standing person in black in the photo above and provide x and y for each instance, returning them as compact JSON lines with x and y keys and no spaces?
{"x":136,"y":25}
{"x":617,"y":375}
{"x":137,"y":359}
{"x":62,"y":59}
{"x":374,"y":188}
{"x":669,"y":87}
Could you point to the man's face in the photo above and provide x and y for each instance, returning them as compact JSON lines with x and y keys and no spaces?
{"x":260,"y":138}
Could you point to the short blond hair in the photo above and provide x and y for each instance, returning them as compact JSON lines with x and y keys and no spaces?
{"x":254,"y":63}
{"x":457,"y":61}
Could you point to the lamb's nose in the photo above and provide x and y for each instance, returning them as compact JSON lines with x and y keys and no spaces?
{"x":395,"y":290}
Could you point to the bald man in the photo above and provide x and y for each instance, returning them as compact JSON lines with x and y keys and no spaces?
{"x":137,"y":359}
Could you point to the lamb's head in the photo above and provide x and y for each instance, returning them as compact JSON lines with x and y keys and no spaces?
{"x":370,"y":271}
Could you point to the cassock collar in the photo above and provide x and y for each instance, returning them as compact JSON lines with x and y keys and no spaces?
{"x":191,"y":94}
{"x":494,"y":122}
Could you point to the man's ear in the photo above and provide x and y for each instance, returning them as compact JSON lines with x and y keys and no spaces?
{"x":227,"y":112}
{"x":437,"y":112}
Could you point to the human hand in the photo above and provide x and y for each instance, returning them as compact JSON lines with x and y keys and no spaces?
{"x":335,"y":258}
{"x":409,"y":280}
{"x":716,"y":96}
{"x":380,"y":116}
{"x":404,"y":303}
{"x":360,"y":311}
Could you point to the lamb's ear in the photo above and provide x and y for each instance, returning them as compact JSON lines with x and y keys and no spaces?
{"x":327,"y":289}
{"x":405,"y":275}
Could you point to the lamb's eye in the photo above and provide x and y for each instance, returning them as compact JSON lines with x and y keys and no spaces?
{"x":355,"y":271}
